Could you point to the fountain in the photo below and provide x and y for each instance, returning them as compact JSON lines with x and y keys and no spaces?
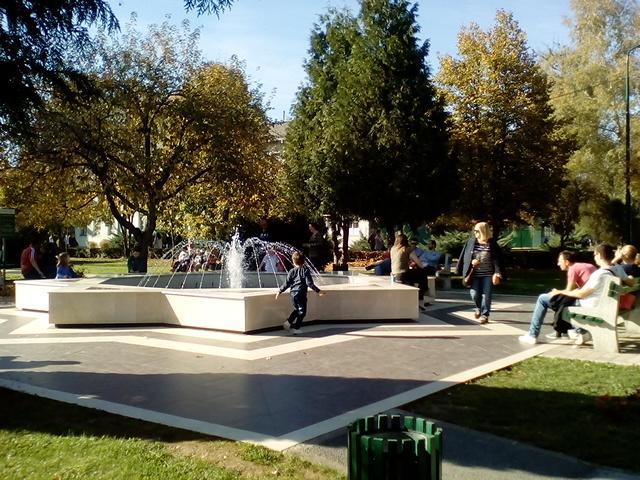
{"x":215,"y":264}
{"x":213,"y":285}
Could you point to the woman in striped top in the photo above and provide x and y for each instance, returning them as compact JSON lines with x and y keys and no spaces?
{"x":483,"y":255}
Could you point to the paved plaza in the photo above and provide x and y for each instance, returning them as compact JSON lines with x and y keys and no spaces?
{"x":270,"y":388}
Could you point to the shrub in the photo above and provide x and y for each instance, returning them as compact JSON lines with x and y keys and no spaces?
{"x":451,"y":242}
{"x":360,"y":245}
{"x":112,"y":247}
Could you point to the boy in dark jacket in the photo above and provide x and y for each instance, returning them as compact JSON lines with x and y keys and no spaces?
{"x":299,"y":280}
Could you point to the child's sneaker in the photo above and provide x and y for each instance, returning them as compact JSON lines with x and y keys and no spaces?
{"x":296,"y":331}
{"x":484,"y":319}
{"x":528,"y":339}
{"x":286,"y":325}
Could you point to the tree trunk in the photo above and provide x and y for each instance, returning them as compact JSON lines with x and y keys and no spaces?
{"x":334,"y":240}
{"x":344,"y":264}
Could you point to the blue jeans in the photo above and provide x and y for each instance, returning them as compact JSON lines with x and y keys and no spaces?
{"x":539,"y":312}
{"x":481,"y":294}
{"x":299,"y":300}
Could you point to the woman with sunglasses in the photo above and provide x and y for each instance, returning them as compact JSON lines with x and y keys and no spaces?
{"x":481,"y":260}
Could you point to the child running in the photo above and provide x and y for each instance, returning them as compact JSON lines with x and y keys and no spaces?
{"x":299,"y":280}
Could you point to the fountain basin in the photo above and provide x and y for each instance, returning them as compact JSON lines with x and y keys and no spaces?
{"x":119,"y":300}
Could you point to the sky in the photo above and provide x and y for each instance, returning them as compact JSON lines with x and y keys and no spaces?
{"x":272,"y":36}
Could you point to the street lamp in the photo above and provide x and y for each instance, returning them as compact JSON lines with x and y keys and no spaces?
{"x":627,"y":153}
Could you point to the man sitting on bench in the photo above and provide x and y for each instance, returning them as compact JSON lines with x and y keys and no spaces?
{"x":577,"y":275}
{"x":589,"y":294}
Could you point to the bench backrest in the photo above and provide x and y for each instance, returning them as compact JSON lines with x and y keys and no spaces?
{"x":608,"y":303}
{"x":631,"y":288}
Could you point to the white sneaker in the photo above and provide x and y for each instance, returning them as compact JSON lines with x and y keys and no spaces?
{"x":296,"y":331}
{"x":572,"y":333}
{"x":528,"y":339}
{"x":583,"y":338}
{"x":286,"y":325}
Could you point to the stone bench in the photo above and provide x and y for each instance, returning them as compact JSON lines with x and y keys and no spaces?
{"x":430,"y":294}
{"x":631,"y":318}
{"x":445,"y":273}
{"x":600,"y":321}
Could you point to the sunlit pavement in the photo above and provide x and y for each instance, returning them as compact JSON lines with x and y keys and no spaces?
{"x":271,"y":388}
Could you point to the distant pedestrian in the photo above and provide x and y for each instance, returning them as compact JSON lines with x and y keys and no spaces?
{"x":64,"y":268}
{"x":29,"y":262}
{"x":299,"y":281}
{"x":48,"y":261}
{"x":376,"y":242}
{"x":272,"y":263}
{"x":136,"y":263}
{"x":401,"y":256}
{"x":265,"y":233}
{"x":316,"y":246}
{"x":430,"y":258}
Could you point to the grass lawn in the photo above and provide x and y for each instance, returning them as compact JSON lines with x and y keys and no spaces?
{"x":532,"y":282}
{"x":583,"y":409}
{"x":41,"y":438}
{"x":100,"y":266}
{"x":525,"y":282}
{"x":588,"y":410}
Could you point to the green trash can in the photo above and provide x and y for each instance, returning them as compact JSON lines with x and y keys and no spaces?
{"x":394,"y":447}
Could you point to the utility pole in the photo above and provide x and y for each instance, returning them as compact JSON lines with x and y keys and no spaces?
{"x":627,"y":153}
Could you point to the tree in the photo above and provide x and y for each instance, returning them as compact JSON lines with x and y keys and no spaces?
{"x":207,"y":6}
{"x":565,"y":211}
{"x":50,"y":199}
{"x":368,"y":137}
{"x":162,"y":126}
{"x":588,"y":96}
{"x":34,"y":39}
{"x":510,"y":158}
{"x":244,"y":189}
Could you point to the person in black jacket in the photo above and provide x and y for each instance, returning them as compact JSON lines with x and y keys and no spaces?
{"x":299,"y":280}
{"x":481,"y":257}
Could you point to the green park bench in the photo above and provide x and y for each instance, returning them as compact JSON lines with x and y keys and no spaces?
{"x":600,"y":321}
{"x":631,"y":318}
